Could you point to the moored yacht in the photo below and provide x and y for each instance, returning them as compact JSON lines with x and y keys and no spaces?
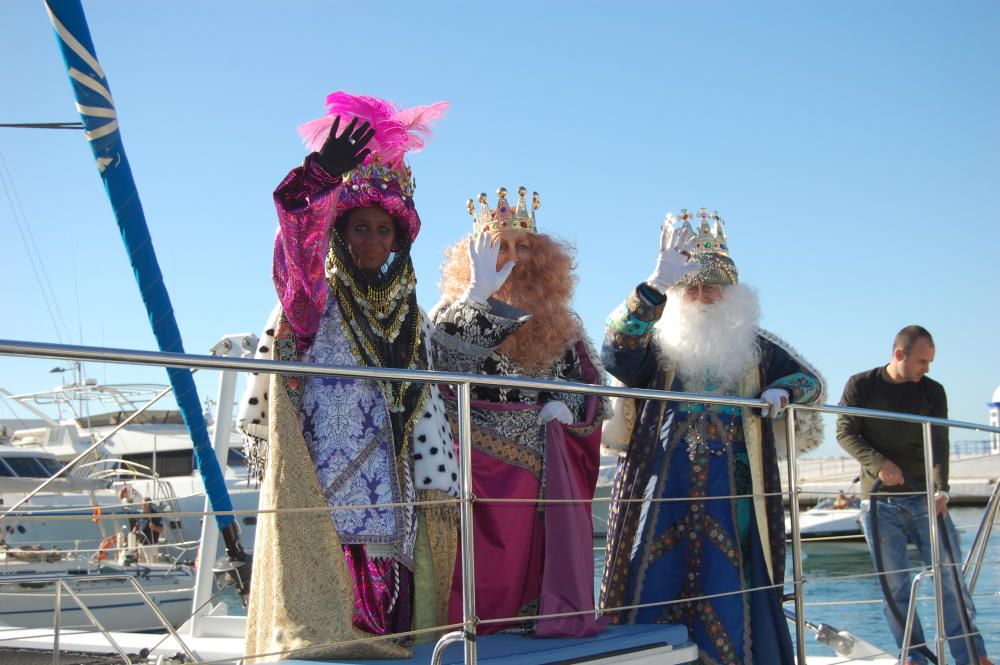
{"x":147,"y":454}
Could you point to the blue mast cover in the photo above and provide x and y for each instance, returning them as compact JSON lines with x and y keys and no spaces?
{"x":97,"y":109}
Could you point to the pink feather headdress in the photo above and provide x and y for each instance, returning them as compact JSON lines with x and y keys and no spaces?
{"x":383,"y":179}
{"x":397,"y":131}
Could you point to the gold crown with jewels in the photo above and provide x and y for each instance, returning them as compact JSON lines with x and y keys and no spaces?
{"x":382,"y":176}
{"x":503,"y":218}
{"x":711,"y":235}
{"x":709,"y":247}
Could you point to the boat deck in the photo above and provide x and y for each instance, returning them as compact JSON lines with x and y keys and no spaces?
{"x":660,"y":644}
{"x":22,"y":657}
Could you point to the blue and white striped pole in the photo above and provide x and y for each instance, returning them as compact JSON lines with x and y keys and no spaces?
{"x":97,"y":109}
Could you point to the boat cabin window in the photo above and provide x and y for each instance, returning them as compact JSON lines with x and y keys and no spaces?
{"x":51,"y":465}
{"x":6,"y":471}
{"x":168,"y":463}
{"x":27,"y":467}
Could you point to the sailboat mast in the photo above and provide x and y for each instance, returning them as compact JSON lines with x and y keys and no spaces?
{"x":97,"y":109}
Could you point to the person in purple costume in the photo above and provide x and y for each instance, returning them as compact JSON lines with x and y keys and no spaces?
{"x":346,"y":291}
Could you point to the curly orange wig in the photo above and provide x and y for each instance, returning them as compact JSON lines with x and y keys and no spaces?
{"x":542,"y":286}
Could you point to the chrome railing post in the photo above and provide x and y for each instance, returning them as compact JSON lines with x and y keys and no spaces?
{"x":974,"y":560}
{"x":469,"y":618}
{"x":447,"y":639}
{"x":163,"y":620}
{"x":911,"y":614}
{"x":793,"y":505}
{"x":60,"y":584}
{"x":100,"y":626}
{"x":57,"y":623}
{"x":935,"y":542}
{"x":231,"y":346}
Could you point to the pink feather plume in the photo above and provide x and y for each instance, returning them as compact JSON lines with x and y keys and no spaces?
{"x":396,"y":131}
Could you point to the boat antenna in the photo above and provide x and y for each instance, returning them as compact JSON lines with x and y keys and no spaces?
{"x":42,"y":125}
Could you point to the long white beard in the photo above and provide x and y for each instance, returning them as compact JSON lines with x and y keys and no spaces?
{"x":712,"y":345}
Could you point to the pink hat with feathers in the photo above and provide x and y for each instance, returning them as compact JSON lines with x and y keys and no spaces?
{"x":383,"y":179}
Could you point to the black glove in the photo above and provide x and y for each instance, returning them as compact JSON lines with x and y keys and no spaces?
{"x":342,"y":153}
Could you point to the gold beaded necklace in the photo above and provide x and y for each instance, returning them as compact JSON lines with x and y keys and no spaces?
{"x":376,"y":312}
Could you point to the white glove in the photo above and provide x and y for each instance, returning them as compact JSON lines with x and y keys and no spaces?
{"x":555,"y":410}
{"x":777,"y":400}
{"x":672,"y":264}
{"x":486,"y":279}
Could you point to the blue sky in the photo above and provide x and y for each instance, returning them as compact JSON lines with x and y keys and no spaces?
{"x":852,"y":147}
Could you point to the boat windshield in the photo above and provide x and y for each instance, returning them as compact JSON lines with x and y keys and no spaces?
{"x":51,"y":465}
{"x":27,"y":467}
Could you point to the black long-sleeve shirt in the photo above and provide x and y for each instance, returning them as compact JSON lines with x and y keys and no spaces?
{"x":872,"y":441}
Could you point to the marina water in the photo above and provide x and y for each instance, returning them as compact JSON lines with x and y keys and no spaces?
{"x":833,"y":587}
{"x":843,"y":592}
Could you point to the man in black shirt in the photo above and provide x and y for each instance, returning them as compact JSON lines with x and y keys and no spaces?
{"x":893,"y":452}
{"x":150,"y":528}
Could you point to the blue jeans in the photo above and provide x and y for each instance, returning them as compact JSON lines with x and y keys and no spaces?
{"x":902,"y":520}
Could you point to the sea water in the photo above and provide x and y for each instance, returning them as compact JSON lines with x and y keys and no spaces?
{"x":834,"y":583}
{"x":843,"y":592}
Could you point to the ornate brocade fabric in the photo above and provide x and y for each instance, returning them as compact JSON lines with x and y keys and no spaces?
{"x":702,"y":546}
{"x":346,"y":428}
{"x":466,"y":337}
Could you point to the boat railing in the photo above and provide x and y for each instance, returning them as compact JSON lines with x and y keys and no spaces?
{"x":463,"y":384}
{"x":65,"y":585}
{"x":114,"y":469}
{"x":937,"y":566}
{"x":127,"y":471}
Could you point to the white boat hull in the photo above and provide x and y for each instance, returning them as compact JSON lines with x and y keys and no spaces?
{"x":29,"y":602}
{"x":68,"y":521}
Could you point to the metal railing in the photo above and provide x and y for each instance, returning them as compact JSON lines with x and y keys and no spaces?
{"x":63,"y":584}
{"x":926,"y":422}
{"x":463,"y":383}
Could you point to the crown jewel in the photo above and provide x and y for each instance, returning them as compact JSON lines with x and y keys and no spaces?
{"x":710,"y":238}
{"x":709,"y":247}
{"x":383,"y":174}
{"x":503,"y":218}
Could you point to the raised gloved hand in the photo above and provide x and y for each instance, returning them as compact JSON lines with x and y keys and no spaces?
{"x":777,"y":400}
{"x":486,"y":279}
{"x":340,"y":154}
{"x":555,"y":410}
{"x":673,"y":261}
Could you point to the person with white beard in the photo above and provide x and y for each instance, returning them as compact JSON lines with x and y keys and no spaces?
{"x":692,"y":327}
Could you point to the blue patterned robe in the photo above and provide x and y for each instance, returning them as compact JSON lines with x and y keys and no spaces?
{"x":665,"y":551}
